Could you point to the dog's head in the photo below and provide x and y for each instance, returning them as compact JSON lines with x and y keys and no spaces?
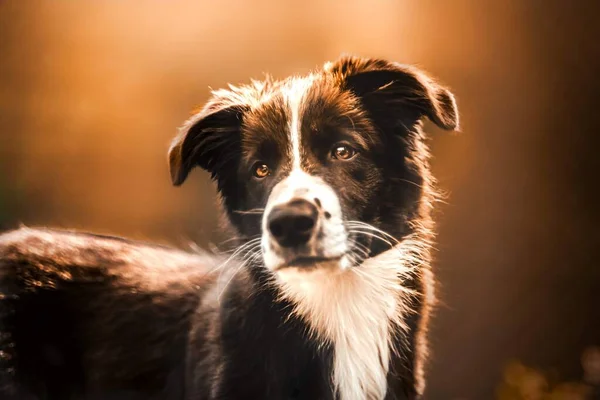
{"x":321,"y":168}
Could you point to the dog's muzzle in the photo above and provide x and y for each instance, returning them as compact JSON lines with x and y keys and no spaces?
{"x":293,"y":224}
{"x":302,"y":225}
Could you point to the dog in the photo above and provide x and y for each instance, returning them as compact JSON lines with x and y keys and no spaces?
{"x":324,"y":180}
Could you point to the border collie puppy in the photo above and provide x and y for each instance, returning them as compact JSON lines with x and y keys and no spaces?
{"x":325,"y":181}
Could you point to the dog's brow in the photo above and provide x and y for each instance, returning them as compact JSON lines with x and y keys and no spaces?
{"x":357,"y":138}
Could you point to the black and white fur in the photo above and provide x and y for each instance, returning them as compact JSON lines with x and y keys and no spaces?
{"x":337,"y":309}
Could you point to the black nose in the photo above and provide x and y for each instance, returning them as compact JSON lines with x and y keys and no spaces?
{"x":292,"y":224}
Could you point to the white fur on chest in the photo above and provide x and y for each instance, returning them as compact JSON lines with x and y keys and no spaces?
{"x":356,"y":310}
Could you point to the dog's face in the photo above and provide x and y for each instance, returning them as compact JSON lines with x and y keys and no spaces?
{"x":319,"y":166}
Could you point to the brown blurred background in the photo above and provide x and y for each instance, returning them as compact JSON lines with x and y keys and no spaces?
{"x":91,"y":94}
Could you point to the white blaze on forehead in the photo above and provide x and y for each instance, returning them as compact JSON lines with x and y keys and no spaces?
{"x":294,"y":94}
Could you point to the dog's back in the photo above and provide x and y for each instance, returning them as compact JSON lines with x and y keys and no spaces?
{"x":80,"y":310}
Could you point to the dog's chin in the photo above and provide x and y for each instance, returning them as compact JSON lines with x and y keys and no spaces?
{"x":313,"y":264}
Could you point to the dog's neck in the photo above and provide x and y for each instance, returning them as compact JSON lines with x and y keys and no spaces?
{"x":359,"y":311}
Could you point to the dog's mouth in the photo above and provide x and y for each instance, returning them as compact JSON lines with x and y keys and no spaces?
{"x":309,"y":262}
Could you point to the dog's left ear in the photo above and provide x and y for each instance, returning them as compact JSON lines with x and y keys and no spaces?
{"x":209,"y":139}
{"x":395,"y":93}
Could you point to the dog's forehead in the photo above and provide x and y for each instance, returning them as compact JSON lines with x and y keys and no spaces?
{"x":268,"y":119}
{"x":297,"y":105}
{"x":326,"y":104}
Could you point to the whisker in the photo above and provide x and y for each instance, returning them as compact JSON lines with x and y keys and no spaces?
{"x":244,"y":238}
{"x":252,"y":211}
{"x":237,"y":251}
{"x":371,"y":227}
{"x":360,"y":247}
{"x":244,"y":261}
{"x":247,"y":247}
{"x":353,"y":260}
{"x":231,"y":239}
{"x":229,"y":281}
{"x":373,"y":235}
{"x":251,"y":253}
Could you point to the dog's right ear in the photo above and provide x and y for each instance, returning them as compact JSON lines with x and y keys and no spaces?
{"x":398,"y":93}
{"x":210,"y":139}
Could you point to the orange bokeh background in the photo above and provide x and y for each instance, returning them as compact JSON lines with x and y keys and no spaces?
{"x":91,"y":94}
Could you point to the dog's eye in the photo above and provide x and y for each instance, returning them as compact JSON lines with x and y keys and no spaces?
{"x":261,"y":170}
{"x":343,"y":152}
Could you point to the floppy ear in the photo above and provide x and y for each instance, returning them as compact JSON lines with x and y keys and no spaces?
{"x":210,"y":139}
{"x":394,"y":92}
